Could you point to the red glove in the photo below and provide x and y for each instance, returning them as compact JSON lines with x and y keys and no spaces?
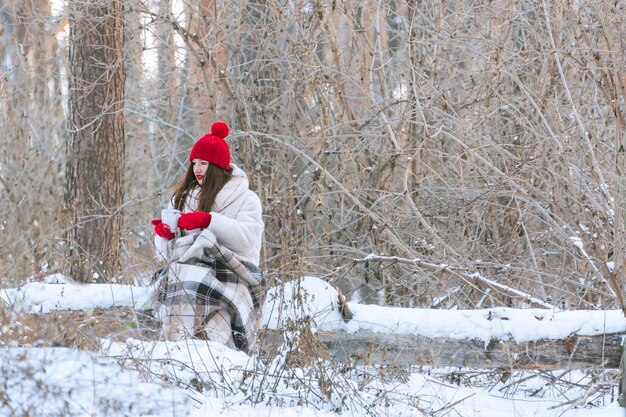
{"x":195,"y":220}
{"x":162,"y":229}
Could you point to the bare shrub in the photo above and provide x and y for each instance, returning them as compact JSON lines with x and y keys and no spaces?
{"x":484,"y":138}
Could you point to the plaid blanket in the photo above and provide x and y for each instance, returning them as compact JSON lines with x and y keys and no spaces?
{"x":203,"y":278}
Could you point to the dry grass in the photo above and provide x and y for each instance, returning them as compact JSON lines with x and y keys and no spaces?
{"x":76,"y":329}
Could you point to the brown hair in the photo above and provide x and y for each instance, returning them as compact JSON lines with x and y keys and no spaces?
{"x":214,"y":180}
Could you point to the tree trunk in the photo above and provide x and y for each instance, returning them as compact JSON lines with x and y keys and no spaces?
{"x":94,"y":183}
{"x":622,"y":383}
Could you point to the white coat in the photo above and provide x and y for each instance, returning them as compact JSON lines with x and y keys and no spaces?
{"x":236,"y":218}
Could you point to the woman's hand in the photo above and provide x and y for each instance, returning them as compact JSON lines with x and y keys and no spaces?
{"x":161,"y":229}
{"x":195,"y":220}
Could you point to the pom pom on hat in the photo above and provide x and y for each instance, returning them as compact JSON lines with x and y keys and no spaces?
{"x":212,"y":147}
{"x":220,"y":129}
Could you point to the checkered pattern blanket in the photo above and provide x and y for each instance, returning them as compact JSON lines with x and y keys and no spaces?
{"x":202,"y":278}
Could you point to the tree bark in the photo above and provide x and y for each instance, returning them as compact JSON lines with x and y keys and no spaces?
{"x":622,"y":384}
{"x":94,"y":183}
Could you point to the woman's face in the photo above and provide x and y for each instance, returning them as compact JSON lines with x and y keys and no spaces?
{"x":199,"y":169}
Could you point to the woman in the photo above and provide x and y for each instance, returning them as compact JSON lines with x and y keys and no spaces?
{"x":212,"y":286}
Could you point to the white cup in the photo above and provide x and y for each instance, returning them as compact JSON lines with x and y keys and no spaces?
{"x":170,"y":217}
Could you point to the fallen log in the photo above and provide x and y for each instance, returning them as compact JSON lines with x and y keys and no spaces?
{"x":82,"y":329}
{"x":367,"y":347}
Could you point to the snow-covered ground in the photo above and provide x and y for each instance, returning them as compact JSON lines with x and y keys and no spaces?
{"x":198,"y":378}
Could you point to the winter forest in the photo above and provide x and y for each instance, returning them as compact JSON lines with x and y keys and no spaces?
{"x":414,"y":154}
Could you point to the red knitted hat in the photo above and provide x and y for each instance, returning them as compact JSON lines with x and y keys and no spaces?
{"x":212,"y":147}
